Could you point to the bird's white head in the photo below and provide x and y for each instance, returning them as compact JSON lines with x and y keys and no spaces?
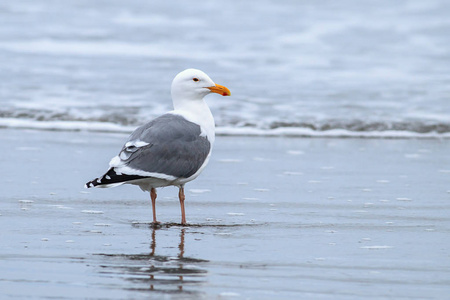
{"x":193,"y":84}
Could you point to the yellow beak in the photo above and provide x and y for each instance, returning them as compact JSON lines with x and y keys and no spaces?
{"x":220,"y":89}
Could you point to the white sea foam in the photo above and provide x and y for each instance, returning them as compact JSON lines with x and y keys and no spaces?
{"x":336,"y":133}
{"x":63,"y":125}
{"x":26,"y":201}
{"x":221,"y":131}
{"x":381,"y":247}
{"x":95,"y":212}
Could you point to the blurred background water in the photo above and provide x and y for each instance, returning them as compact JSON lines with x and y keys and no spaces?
{"x":364,"y":68}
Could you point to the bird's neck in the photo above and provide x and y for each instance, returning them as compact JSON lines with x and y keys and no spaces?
{"x":197,"y":111}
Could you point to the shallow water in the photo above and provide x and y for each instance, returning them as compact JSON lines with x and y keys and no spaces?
{"x":269,"y":218}
{"x":315,"y":68}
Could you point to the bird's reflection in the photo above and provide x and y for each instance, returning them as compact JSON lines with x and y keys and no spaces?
{"x":160,"y":273}
{"x":180,"y":257}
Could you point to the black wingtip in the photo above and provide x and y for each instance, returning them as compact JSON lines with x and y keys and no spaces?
{"x":111,"y":177}
{"x":92,"y":183}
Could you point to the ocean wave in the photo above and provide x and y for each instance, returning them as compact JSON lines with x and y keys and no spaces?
{"x":281,"y":130}
{"x":416,"y":126}
{"x":331,"y":133}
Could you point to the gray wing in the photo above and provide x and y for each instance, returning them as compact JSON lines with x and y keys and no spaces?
{"x":168,"y":145}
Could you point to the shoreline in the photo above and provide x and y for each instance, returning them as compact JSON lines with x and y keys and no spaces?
{"x":290,"y":132}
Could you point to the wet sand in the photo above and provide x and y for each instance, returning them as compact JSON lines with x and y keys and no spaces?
{"x":271,"y":218}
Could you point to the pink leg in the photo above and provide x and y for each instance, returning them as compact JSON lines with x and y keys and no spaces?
{"x":182,"y":197}
{"x":153,"y":196}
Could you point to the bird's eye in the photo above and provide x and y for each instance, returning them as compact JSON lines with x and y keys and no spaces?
{"x":196,"y":79}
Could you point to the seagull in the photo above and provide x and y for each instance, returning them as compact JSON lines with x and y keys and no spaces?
{"x":172,"y":149}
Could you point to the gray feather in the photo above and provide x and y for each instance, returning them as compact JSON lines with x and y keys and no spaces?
{"x":174,"y":148}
